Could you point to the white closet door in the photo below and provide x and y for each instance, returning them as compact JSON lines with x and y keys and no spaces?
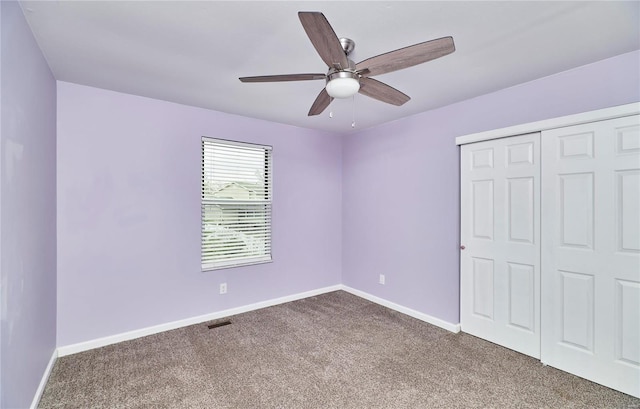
{"x":500,"y":230}
{"x":591,"y":251}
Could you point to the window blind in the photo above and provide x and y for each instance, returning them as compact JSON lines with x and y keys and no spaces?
{"x":236,"y":203}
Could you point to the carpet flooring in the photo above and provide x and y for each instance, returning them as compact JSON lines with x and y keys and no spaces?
{"x":334,"y":350}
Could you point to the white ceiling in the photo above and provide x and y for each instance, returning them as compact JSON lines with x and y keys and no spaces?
{"x":193,"y":52}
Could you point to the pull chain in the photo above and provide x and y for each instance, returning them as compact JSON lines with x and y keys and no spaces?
{"x":353,"y":111}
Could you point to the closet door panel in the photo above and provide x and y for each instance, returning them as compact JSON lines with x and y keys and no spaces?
{"x":500,"y":270}
{"x":591,"y":251}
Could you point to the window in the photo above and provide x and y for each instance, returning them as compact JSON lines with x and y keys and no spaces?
{"x":236,"y":203}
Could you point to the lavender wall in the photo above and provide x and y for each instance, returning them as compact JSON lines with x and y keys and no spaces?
{"x":384,"y":201}
{"x":129,"y":213}
{"x":401,"y":181}
{"x":28,"y":211}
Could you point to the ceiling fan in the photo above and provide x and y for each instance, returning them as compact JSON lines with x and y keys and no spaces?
{"x":346,"y":78}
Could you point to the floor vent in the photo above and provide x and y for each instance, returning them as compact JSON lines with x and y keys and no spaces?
{"x":219,"y":324}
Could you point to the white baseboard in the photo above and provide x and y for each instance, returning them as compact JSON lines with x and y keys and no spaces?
{"x":44,"y":380}
{"x":143,"y":332}
{"x":407,"y":311}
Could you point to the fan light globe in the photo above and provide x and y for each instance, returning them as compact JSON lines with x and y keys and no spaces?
{"x":343,"y":87}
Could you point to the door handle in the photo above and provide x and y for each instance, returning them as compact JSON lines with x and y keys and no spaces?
{"x":462,"y":247}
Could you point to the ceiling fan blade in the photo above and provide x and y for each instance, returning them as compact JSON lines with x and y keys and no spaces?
{"x":323,"y":38}
{"x":382,"y":92}
{"x":321,"y":103}
{"x":406,"y":57}
{"x":286,"y":77}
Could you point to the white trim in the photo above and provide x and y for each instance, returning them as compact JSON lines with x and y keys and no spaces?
{"x":44,"y":380}
{"x":143,"y":332}
{"x":455,"y":328}
{"x":569,"y":120}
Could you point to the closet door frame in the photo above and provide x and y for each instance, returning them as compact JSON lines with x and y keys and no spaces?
{"x":553,"y":123}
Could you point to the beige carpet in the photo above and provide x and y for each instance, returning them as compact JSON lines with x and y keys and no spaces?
{"x":330,"y":351}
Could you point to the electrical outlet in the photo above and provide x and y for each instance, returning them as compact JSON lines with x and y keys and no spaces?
{"x":381,"y":279}
{"x":223,"y":288}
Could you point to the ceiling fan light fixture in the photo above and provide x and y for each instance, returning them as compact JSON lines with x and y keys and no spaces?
{"x":343,"y":84}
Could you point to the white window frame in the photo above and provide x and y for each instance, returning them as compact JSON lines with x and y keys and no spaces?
{"x":227,"y":238}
